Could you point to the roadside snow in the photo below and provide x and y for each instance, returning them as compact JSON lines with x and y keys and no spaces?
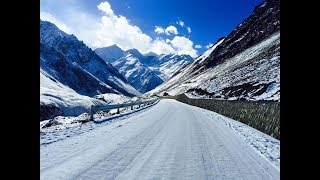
{"x":265,"y":145}
{"x":170,"y":140}
{"x":66,"y":127}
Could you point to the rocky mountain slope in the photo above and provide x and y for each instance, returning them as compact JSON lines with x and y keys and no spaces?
{"x":74,"y":64}
{"x":57,"y":99}
{"x":138,"y":74}
{"x":71,"y":73}
{"x":143,"y":71}
{"x":243,"y":65}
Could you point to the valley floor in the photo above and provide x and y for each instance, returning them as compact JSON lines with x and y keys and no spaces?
{"x":169,"y":140}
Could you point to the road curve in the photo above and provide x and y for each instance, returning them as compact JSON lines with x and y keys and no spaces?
{"x":171,"y":140}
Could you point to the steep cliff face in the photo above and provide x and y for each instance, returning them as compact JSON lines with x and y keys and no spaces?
{"x":71,"y":73}
{"x":243,"y":65}
{"x":74,"y":64}
{"x":261,"y":24}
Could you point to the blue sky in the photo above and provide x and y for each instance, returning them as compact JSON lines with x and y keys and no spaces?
{"x":165,"y":26}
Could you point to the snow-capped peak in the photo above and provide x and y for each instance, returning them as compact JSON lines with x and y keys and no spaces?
{"x":134,"y":52}
{"x":110,"y":54}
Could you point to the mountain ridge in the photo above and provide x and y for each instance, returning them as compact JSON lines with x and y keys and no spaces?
{"x":88,"y":62}
{"x":71,"y":74}
{"x":145,"y":71}
{"x":245,"y":65}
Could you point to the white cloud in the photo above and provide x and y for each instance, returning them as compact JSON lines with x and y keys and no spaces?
{"x":183,"y":45}
{"x":112,"y":28}
{"x":45,"y":16}
{"x":209,"y":45}
{"x":106,"y":7}
{"x":160,"y":46}
{"x":189,"y":29}
{"x":178,"y":45}
{"x":171,"y":30}
{"x":181,"y":23}
{"x":159,"y":30}
{"x":198,"y":46}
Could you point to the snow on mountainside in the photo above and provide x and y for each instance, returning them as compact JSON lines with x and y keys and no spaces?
{"x":60,"y":51}
{"x":144,"y":71}
{"x":70,"y":72}
{"x":166,"y":65}
{"x":243,"y":65}
{"x":139,"y":75}
{"x":57,"y":99}
{"x":170,"y":64}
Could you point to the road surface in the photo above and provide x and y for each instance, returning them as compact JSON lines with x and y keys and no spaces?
{"x":170,"y":140}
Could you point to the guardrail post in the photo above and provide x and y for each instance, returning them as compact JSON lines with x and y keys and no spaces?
{"x":91,"y":113}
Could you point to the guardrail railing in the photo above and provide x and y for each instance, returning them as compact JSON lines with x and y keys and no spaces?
{"x":97,"y":108}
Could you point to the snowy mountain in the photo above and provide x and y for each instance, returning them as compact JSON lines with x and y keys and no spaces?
{"x":110,"y":54}
{"x":57,"y":99}
{"x":74,"y":64}
{"x":143,"y":71}
{"x":70,"y":72}
{"x":138,"y":74}
{"x":170,"y":64}
{"x":243,"y":65}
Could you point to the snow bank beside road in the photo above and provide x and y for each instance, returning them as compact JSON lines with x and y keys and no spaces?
{"x":265,"y":145}
{"x":170,"y":140}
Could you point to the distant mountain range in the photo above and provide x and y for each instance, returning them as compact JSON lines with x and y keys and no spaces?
{"x":71,"y":73}
{"x":243,"y":65}
{"x":143,"y":71}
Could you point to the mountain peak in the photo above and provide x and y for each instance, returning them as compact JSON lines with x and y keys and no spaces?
{"x":114,"y":46}
{"x":134,"y":52}
{"x":74,"y":64}
{"x":150,"y":54}
{"x":110,"y":53}
{"x":49,"y":32}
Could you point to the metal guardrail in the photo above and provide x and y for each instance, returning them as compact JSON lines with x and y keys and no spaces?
{"x":97,"y":108}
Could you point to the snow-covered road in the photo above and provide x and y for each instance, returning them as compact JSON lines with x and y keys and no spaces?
{"x":170,"y":140}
